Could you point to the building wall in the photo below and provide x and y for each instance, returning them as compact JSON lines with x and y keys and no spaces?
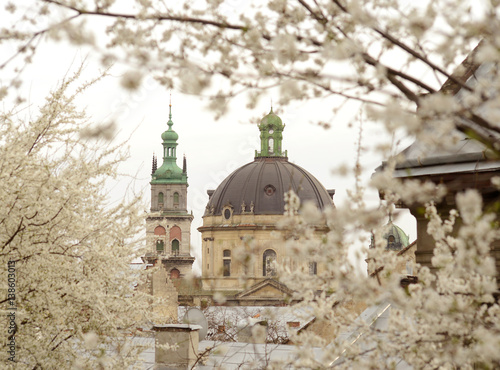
{"x":455,"y":183}
{"x":184,"y":223}
{"x":168,"y":191}
{"x":405,"y":264}
{"x":176,"y":221}
{"x":246,"y":237}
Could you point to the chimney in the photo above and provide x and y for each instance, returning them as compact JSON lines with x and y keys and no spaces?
{"x":176,"y":346}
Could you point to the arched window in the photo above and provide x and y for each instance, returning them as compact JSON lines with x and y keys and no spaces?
{"x":160,"y":245}
{"x":175,"y":274}
{"x":268,"y":263}
{"x":226,"y":262}
{"x":175,"y":247}
{"x":175,"y":233}
{"x":160,"y":197}
{"x":176,"y":198}
{"x":160,"y":230}
{"x":271,"y":145}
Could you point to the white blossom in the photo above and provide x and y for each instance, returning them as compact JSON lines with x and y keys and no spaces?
{"x":392,"y":57}
{"x":74,"y":290}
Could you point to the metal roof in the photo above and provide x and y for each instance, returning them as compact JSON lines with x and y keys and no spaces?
{"x":263,"y":183}
{"x":233,"y":317}
{"x":464,"y":154}
{"x":448,"y":168}
{"x":229,"y":355}
{"x":237,"y":355}
{"x":377,"y":317}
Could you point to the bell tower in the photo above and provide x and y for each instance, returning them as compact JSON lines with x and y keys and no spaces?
{"x":168,"y":225}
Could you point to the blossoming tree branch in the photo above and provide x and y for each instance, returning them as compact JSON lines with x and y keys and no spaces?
{"x":429,"y":69}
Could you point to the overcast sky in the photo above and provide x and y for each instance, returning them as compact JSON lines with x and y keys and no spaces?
{"x":214,"y":148}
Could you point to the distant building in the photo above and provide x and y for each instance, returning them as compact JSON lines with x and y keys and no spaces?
{"x":398,"y":242}
{"x":240,"y":242}
{"x":168,"y":225}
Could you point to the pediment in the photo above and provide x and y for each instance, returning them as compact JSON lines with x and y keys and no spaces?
{"x":268,"y":288}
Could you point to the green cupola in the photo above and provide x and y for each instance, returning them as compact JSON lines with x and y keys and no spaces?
{"x":271,"y":135}
{"x":169,"y":172}
{"x":395,"y":236}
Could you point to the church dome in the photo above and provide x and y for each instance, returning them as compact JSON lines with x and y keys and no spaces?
{"x":169,"y":135}
{"x":395,"y":236}
{"x":259,"y":187}
{"x":271,"y":120}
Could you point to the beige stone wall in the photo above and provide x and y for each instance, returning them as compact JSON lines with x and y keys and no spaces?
{"x":172,"y":216}
{"x":176,"y":347}
{"x":247,"y":237}
{"x":165,"y":298}
{"x":184,"y":223}
{"x":405,"y":262}
{"x":168,"y":191}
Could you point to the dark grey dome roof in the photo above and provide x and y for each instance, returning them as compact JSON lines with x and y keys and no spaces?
{"x":264,"y":182}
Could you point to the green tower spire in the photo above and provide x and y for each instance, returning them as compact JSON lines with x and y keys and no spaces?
{"x":169,"y":172}
{"x":271,"y":135}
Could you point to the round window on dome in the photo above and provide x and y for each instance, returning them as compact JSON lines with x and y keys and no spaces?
{"x":269,"y":190}
{"x":227,"y":214}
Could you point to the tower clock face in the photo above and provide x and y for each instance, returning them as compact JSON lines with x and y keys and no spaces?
{"x":271,"y":131}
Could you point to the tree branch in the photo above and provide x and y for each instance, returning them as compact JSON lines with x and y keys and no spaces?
{"x":206,"y":22}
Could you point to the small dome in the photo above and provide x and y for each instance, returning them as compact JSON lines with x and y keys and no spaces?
{"x":271,"y":120}
{"x":259,"y":187}
{"x":396,"y":237}
{"x":169,"y":135}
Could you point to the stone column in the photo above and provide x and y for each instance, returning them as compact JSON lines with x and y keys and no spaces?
{"x":212,"y":257}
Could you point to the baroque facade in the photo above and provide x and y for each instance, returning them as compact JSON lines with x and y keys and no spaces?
{"x":168,"y":225}
{"x":241,"y":244}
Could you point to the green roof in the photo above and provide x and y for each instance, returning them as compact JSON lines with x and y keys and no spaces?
{"x":271,"y":135}
{"x":399,"y":238}
{"x":169,"y":172}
